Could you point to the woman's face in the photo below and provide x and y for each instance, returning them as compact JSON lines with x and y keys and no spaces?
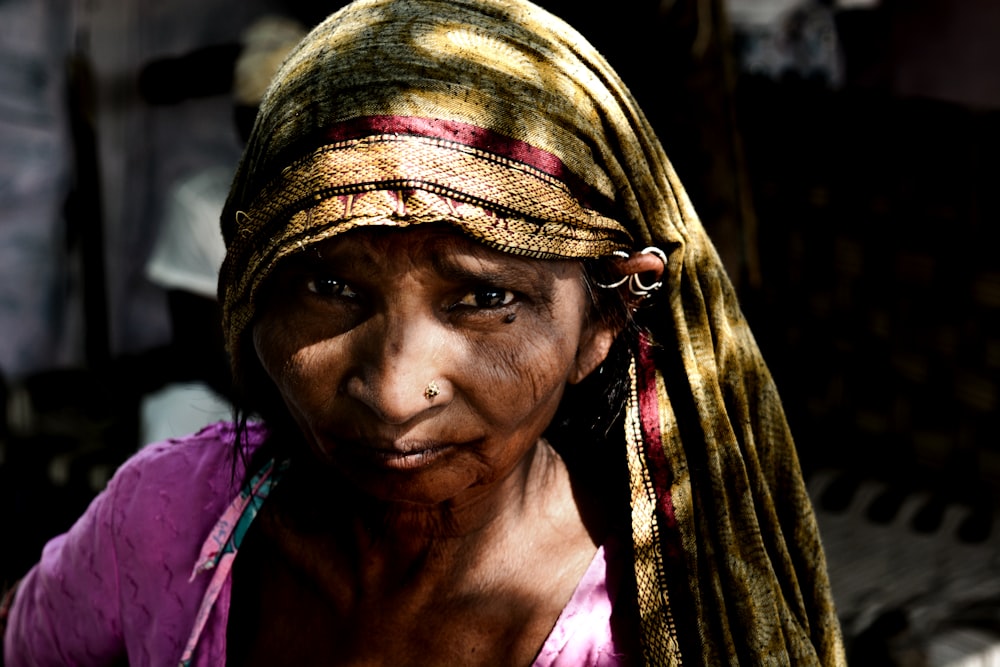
{"x":355,"y":330}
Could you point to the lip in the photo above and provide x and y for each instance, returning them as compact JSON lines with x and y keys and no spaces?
{"x":400,"y":456}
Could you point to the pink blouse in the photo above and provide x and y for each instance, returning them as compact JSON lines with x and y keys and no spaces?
{"x":129,"y":578}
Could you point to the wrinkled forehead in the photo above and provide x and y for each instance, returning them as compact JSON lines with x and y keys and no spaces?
{"x":436,"y":251}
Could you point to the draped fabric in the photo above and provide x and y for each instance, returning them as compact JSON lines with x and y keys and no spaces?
{"x":498,"y":118}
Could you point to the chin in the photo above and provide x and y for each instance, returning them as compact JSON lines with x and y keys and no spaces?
{"x":411,"y":490}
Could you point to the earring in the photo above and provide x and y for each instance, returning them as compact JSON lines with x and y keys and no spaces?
{"x":635,"y":285}
{"x":623,"y":255}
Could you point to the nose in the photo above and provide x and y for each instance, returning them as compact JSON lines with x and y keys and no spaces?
{"x":401,"y":366}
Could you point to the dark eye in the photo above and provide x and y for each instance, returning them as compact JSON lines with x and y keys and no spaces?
{"x":329,"y":286}
{"x":487,"y":297}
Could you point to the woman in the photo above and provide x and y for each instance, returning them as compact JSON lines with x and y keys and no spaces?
{"x":511,"y":411}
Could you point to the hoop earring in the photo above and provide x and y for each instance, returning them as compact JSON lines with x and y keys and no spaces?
{"x":623,"y":255}
{"x":635,"y":285}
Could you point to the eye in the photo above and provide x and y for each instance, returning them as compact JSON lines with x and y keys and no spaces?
{"x":329,"y":286}
{"x":486,"y":297}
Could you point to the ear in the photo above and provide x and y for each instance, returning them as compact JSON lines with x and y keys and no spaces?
{"x":640,"y":274}
{"x":644,"y":263}
{"x":594,"y":345}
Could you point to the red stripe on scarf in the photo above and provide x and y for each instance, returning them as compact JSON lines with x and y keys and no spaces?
{"x":649,"y":415}
{"x":466,"y":135}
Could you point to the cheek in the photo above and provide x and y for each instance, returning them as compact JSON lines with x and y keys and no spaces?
{"x":293,"y":364}
{"x":274,"y":347}
{"x":521,"y":375}
{"x":537,"y":355}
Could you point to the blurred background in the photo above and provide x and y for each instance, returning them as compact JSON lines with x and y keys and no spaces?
{"x":840,"y":152}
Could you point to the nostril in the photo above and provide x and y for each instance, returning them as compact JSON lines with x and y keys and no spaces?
{"x":356,"y":388}
{"x":394,"y":398}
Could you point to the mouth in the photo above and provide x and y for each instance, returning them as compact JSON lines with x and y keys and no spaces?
{"x":398,"y":456}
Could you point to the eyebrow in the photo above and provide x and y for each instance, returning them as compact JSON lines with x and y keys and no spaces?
{"x":318,"y":260}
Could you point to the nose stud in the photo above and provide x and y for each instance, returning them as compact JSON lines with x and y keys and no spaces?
{"x":431,"y":390}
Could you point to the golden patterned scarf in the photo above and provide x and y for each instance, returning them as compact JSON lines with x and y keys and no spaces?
{"x":498,"y":118}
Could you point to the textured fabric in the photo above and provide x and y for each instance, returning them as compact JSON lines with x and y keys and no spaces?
{"x":120,"y":581}
{"x":728,"y":561}
{"x":219,"y":551}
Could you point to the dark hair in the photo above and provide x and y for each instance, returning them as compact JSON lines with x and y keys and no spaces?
{"x":594,"y":409}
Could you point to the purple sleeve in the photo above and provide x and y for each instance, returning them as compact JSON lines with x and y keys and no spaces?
{"x":66,"y":610}
{"x":119,"y":581}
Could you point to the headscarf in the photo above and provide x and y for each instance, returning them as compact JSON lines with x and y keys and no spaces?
{"x":498,"y":118}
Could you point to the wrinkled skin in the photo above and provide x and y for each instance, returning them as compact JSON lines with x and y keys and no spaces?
{"x":356,"y":329}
